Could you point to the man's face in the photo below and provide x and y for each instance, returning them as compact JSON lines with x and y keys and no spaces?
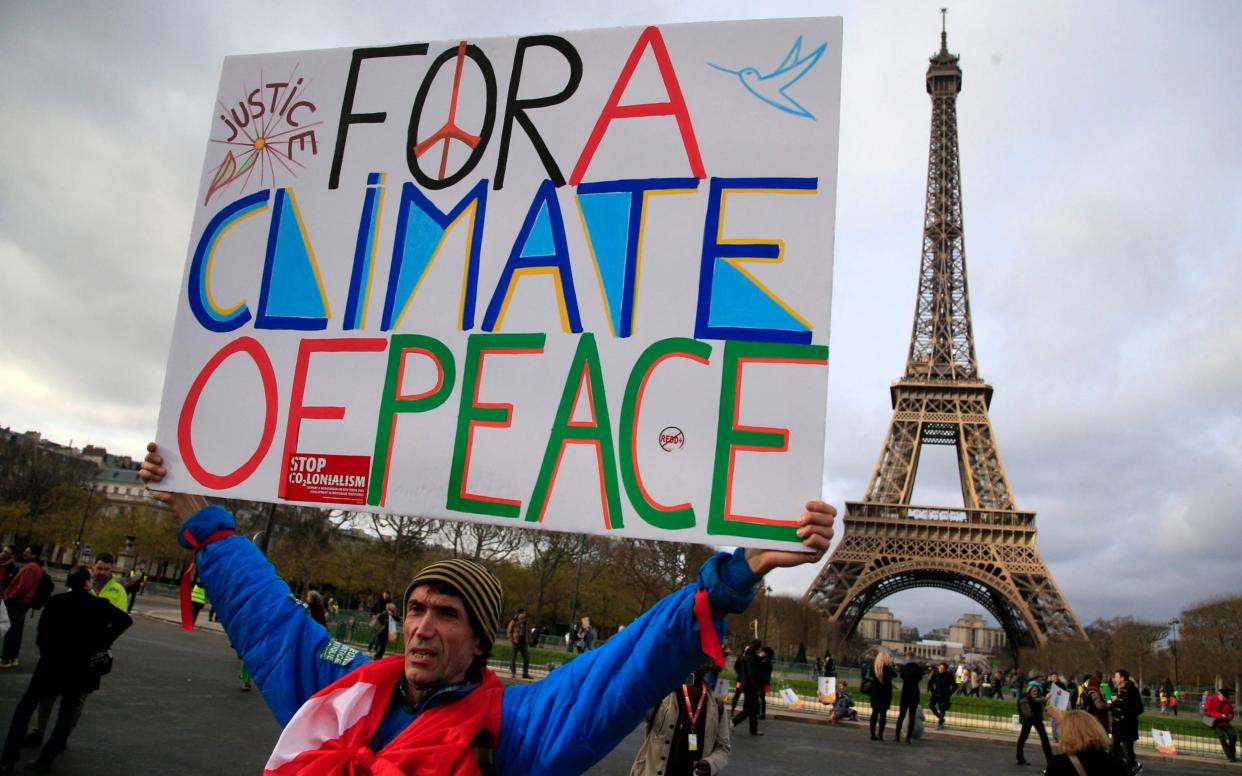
{"x":102,"y":571}
{"x":942,"y":668}
{"x":6,"y":555}
{"x":1118,"y":680}
{"x":1053,"y":677}
{"x":27,"y":555}
{"x":440,"y":645}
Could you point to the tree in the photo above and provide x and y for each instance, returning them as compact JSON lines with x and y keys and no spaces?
{"x":1211,"y":640}
{"x":401,"y":541}
{"x":550,"y":551}
{"x":479,"y":541}
{"x":37,"y":483}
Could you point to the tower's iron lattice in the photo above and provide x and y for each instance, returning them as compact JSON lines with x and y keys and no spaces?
{"x":985,"y":551}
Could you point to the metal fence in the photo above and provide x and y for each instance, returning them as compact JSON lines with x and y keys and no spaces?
{"x":1205,"y":744}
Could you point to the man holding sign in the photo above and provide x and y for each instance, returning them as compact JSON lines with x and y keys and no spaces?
{"x":438,"y":707}
{"x":609,"y":351}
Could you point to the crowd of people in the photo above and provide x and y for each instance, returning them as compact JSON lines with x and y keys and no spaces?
{"x":76,"y":630}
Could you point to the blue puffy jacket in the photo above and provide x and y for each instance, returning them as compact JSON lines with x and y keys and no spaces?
{"x":560,"y":725}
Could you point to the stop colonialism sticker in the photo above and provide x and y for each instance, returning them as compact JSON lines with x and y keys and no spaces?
{"x":335,"y":479}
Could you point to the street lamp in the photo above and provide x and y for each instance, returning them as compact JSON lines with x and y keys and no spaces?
{"x":573,"y":604}
{"x":86,"y":510}
{"x":1174,"y":624}
{"x":767,"y":594}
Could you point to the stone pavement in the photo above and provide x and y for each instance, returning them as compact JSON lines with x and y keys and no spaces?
{"x":173,"y":706}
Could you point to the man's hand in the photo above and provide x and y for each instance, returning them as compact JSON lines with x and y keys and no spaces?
{"x":815,"y":531}
{"x":702,"y":768}
{"x":182,"y":504}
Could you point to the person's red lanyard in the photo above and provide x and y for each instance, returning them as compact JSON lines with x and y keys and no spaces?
{"x":694,"y":715}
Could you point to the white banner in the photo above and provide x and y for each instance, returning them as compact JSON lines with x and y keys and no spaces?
{"x":496,"y":280}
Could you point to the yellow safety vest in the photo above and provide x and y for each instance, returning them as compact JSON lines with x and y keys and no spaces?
{"x":198,"y":595}
{"x":114,"y":593}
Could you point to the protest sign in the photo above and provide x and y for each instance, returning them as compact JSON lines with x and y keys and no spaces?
{"x":827,"y":690}
{"x":1058,"y":698}
{"x":1163,"y":741}
{"x":791,"y":697}
{"x":496,"y":280}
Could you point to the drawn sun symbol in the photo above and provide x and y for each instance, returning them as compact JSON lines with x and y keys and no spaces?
{"x":262,"y":132}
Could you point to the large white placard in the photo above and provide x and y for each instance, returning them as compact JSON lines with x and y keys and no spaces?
{"x":575,"y":281}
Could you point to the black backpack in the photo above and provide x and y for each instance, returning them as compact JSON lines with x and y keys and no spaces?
{"x":43,"y":591}
{"x":867,"y":680}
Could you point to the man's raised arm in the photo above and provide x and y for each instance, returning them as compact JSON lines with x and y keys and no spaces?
{"x":290,"y":656}
{"x":567,"y":722}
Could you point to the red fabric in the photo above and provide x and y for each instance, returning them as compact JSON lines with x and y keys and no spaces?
{"x":438,"y":743}
{"x":187,"y":579}
{"x":709,"y":642}
{"x":1221,"y":710}
{"x":22,"y":589}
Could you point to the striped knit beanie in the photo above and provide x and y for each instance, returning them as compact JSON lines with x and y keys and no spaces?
{"x":480,"y":592}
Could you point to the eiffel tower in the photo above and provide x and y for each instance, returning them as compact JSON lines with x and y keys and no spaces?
{"x":985,"y":551}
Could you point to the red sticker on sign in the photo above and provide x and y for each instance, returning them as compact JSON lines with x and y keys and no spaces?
{"x":334,"y":479}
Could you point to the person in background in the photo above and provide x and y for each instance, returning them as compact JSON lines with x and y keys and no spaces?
{"x":19,"y":595}
{"x":315,"y":607}
{"x":1126,"y":706}
{"x":687,"y":733}
{"x":739,"y":666}
{"x":767,"y":656}
{"x":519,"y":635}
{"x":75,"y":629}
{"x":385,"y":630}
{"x":105,"y":585}
{"x":135,"y":583}
{"x":1031,"y":713}
{"x":1219,"y":709}
{"x":1091,"y":700}
{"x":911,"y":674}
{"x":1054,"y":680}
{"x":881,"y":694}
{"x":751,"y":679}
{"x":8,"y":565}
{"x":940,"y":688}
{"x":829,"y":667}
{"x":1084,"y":749}
{"x":843,"y":706}
{"x":198,"y":599}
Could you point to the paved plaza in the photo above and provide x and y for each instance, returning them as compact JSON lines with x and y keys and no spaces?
{"x":173,"y":706}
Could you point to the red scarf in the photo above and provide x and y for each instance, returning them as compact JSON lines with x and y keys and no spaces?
{"x":331,"y":733}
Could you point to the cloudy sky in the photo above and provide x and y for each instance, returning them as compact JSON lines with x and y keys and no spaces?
{"x":1103,"y":197}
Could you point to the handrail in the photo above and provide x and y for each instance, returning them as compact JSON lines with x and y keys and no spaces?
{"x":989,"y":517}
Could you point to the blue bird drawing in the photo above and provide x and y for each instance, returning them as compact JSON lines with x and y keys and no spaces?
{"x":771,"y":87}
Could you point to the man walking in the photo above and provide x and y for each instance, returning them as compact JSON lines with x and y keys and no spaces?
{"x":19,"y":595}
{"x":1126,"y":707}
{"x":751,"y":678}
{"x":75,"y":632}
{"x":1219,"y":708}
{"x":134,"y":584}
{"x":518,"y":638}
{"x":941,"y":686}
{"x":1031,"y":712}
